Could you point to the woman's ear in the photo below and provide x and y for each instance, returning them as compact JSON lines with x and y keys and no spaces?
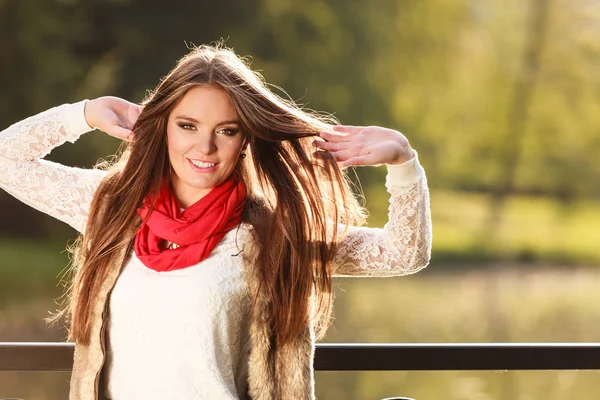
{"x":243,"y":150}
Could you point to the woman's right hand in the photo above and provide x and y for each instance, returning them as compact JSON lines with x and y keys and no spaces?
{"x":113,"y":115}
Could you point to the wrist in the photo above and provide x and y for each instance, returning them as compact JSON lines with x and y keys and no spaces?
{"x":75,"y":122}
{"x":405,"y":155}
{"x":88,"y":112}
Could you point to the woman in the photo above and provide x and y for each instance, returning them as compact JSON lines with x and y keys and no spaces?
{"x":204,"y":265}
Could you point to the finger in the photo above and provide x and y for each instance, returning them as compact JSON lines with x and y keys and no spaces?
{"x":330,"y":146}
{"x":333,"y":137}
{"x":358,"y":161}
{"x":120,"y":132}
{"x":349,"y":129}
{"x":323,"y":155}
{"x":337,"y":155}
{"x":342,"y":155}
{"x":132,"y":114}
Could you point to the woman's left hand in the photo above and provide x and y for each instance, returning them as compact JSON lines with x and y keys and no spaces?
{"x":365,"y":145}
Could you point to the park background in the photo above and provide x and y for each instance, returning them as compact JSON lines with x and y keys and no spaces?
{"x":501,"y":99}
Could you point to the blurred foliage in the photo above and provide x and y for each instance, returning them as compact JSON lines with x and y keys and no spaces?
{"x":442,"y":71}
{"x":488,"y":92}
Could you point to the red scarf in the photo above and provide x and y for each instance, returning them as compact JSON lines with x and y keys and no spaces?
{"x":196,"y":231}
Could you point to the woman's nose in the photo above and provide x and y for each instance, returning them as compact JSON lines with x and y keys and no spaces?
{"x":206,"y":143}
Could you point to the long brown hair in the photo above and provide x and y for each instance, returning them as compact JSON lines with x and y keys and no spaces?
{"x":296,"y":201}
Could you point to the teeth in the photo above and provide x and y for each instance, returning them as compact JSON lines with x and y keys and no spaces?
{"x":201,"y":164}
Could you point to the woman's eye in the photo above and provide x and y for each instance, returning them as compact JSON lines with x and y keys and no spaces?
{"x":186,"y":127}
{"x":229,"y":131}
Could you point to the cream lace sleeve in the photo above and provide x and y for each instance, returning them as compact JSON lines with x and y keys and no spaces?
{"x":403,"y":246}
{"x":55,"y":189}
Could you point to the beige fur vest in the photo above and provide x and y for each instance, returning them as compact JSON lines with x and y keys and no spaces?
{"x":273,"y":373}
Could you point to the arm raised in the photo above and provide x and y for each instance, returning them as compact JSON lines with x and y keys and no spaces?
{"x":57,"y":190}
{"x":403,"y":246}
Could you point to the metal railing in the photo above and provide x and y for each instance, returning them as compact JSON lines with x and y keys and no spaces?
{"x":30,"y":356}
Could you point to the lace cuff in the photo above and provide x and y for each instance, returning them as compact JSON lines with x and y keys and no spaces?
{"x":75,"y":122}
{"x":406,"y":173}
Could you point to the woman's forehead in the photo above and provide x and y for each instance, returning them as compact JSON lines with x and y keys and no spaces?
{"x":206,"y":104}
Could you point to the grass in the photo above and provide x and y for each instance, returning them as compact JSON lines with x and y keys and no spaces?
{"x":495,"y":299}
{"x":30,"y":269}
{"x":532,"y":230}
{"x":482,"y":305}
{"x":501,"y":304}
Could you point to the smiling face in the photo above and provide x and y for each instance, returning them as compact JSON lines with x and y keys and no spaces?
{"x":204,"y":141}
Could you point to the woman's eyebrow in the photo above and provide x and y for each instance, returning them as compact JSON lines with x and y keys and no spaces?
{"x":194,"y":120}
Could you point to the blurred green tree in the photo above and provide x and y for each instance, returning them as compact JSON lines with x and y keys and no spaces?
{"x":446,"y":73}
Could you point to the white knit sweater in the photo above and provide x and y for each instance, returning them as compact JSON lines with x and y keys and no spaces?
{"x":184,"y":334}
{"x":180,"y":334}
